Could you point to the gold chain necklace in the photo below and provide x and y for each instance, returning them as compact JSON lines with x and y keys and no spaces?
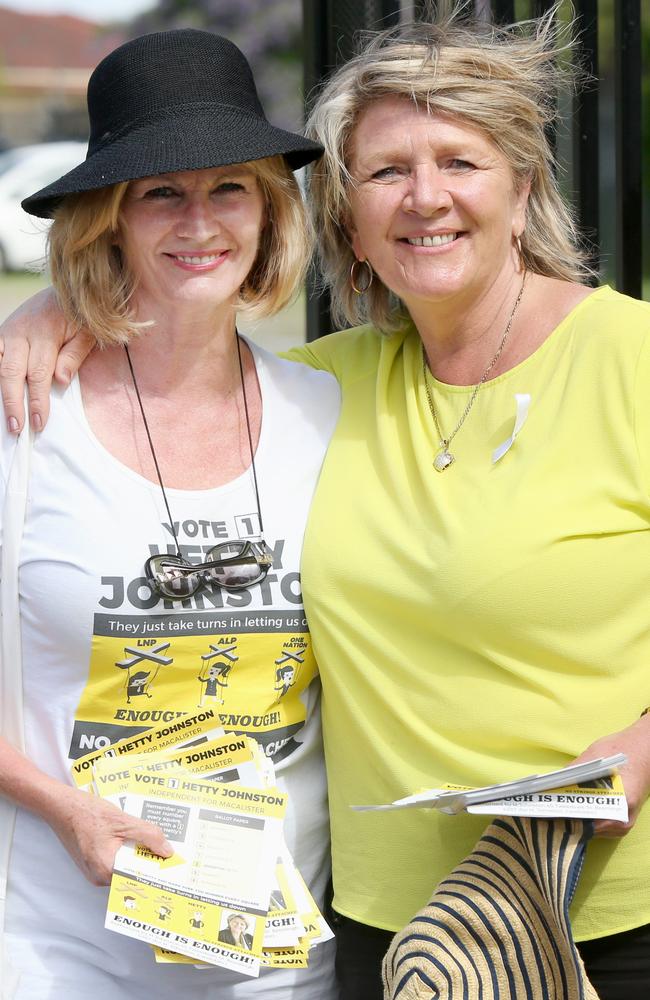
{"x":444,"y":457}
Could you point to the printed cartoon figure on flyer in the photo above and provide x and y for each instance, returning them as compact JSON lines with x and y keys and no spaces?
{"x":285,"y":678}
{"x":214,"y":676}
{"x":137,"y":684}
{"x":288,"y":666}
{"x":214,"y":683}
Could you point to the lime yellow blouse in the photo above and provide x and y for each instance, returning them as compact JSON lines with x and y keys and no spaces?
{"x":485,"y":622}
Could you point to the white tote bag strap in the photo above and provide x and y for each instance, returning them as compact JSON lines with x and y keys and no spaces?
{"x":11,"y":681}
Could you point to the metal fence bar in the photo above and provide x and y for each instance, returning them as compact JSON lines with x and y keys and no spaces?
{"x":315,"y":59}
{"x":316,"y":66}
{"x":331,"y":27}
{"x":503,"y":11}
{"x":629,"y":242}
{"x":585,"y":132}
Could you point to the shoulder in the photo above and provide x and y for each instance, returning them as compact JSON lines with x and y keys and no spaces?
{"x":296,"y":380}
{"x":598,"y":327}
{"x":295,"y":388}
{"x":612,"y":335}
{"x":62,"y":434}
{"x":349,"y":354}
{"x":608,"y":311}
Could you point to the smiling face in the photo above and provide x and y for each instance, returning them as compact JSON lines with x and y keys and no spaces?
{"x":237,"y":926}
{"x":433,"y":205}
{"x":192,"y":237}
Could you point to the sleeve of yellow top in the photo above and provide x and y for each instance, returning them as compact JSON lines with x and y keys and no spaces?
{"x":347,"y":354}
{"x":315,"y":354}
{"x":642,"y":411}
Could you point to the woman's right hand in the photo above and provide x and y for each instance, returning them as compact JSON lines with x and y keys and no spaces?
{"x":92,"y":829}
{"x":89,"y":827}
{"x":37,"y":344}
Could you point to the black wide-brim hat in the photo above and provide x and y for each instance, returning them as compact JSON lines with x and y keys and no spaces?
{"x":174,"y":100}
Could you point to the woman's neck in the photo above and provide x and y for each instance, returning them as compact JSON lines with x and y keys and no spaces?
{"x":194,"y":398}
{"x":186,"y":348}
{"x":461,"y":335}
{"x":461,"y":343}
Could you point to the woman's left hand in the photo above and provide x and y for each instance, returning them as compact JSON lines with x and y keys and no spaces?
{"x":36,"y":344}
{"x":635,"y":743}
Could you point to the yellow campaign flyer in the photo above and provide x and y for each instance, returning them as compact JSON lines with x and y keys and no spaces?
{"x":227,"y":759}
{"x":210,"y":900}
{"x":232,"y":936}
{"x":200,"y":726}
{"x":285,"y":958}
{"x":283,"y":927}
{"x":202,"y":932}
{"x":316,"y":927}
{"x":588,"y":790}
{"x":166,"y":957}
{"x":603,"y":798}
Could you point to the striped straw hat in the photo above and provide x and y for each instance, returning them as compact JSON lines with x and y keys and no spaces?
{"x":498,"y":927}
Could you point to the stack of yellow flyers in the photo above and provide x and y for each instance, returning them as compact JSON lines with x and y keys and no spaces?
{"x":189,"y":730}
{"x":230,"y":895}
{"x":591,"y":790}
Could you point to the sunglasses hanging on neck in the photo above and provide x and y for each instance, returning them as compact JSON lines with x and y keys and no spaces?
{"x":233,"y":565}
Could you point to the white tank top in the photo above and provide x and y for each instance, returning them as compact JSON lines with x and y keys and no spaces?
{"x":104,"y":658}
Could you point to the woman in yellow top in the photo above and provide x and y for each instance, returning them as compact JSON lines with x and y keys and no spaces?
{"x":478,"y":602}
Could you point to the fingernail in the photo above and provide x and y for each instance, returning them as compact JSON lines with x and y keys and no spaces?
{"x":66,"y":376}
{"x":37,"y":422}
{"x":168,"y":847}
{"x":12,"y":425}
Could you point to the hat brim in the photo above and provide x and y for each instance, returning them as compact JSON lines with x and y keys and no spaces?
{"x":188,"y":138}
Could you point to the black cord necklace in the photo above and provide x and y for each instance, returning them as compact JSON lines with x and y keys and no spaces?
{"x":153,"y":451}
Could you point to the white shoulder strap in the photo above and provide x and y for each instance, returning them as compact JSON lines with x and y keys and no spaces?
{"x":11,"y":685}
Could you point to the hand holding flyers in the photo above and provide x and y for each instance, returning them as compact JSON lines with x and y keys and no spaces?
{"x":230,"y":894}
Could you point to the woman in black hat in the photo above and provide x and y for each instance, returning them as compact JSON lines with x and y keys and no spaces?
{"x":166,"y":505}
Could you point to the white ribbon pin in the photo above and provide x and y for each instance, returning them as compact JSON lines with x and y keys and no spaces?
{"x":522,"y":400}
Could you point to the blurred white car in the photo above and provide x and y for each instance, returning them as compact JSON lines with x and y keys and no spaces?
{"x":23,"y":171}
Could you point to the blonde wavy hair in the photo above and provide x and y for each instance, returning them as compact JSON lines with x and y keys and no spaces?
{"x":95,"y":289}
{"x":502,"y":81}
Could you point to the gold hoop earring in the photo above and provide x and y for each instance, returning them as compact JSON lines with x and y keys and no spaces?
{"x":520,"y":253}
{"x":353,"y":277}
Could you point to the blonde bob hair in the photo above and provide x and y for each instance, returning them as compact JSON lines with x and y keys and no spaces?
{"x":501,"y":81}
{"x":95,"y":289}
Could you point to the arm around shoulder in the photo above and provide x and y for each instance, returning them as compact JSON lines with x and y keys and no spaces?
{"x":345,"y":354}
{"x":36,"y":345}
